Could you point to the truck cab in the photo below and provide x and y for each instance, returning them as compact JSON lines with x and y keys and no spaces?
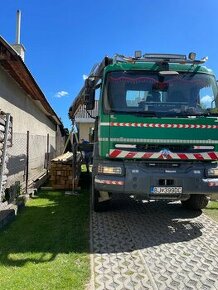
{"x":156,"y":133}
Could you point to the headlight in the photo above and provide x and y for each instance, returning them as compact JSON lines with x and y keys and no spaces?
{"x":212,"y":172}
{"x":109,"y":170}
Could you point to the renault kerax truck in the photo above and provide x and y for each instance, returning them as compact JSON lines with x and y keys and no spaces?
{"x":156,"y":134}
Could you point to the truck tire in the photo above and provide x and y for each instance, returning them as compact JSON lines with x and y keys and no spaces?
{"x":196,"y":201}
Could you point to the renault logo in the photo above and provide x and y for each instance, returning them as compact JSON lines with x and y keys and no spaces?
{"x":165,"y":153}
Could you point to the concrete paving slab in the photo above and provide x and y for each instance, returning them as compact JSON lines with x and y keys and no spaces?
{"x":153,"y":246}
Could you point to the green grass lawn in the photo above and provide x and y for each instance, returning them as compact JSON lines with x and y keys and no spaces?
{"x":46,"y":247}
{"x":212,"y":210}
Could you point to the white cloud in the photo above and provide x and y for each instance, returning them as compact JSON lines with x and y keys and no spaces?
{"x":61,"y":94}
{"x":206,"y":101}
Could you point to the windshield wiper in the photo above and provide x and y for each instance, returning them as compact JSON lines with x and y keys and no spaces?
{"x":204,"y":113}
{"x":146,"y":113}
{"x":119,"y":112}
{"x":137,"y":113}
{"x":165,"y":114}
{"x":211,"y":112}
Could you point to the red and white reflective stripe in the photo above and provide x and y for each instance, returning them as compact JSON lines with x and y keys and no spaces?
{"x":116,"y":153}
{"x":109,"y":182}
{"x":156,"y":125}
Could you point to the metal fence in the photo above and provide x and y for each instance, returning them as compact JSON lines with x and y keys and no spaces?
{"x":29,"y":157}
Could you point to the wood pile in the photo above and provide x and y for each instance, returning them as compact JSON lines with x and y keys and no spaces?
{"x":5,"y":142}
{"x":63,"y":175}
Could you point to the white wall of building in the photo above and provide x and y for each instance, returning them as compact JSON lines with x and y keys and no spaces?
{"x":27,"y":116}
{"x":25,"y":112}
{"x":84,"y":130}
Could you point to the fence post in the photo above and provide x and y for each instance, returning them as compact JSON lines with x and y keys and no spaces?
{"x":47,"y":154}
{"x":27,"y":160}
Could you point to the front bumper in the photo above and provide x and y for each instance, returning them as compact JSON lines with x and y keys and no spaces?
{"x":139,"y":179}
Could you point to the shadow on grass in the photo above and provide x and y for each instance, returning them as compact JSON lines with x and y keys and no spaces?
{"x":51,"y":223}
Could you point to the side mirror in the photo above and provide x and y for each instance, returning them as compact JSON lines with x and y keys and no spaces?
{"x":89,"y":95}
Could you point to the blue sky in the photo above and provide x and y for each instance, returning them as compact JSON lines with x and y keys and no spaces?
{"x":64,"y":39}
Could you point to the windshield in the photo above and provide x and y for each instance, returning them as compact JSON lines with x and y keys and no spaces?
{"x":156,"y":93}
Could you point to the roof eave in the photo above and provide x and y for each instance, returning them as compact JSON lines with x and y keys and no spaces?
{"x":14,"y":65}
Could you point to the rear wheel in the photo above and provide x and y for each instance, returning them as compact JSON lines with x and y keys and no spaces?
{"x":196,"y":201}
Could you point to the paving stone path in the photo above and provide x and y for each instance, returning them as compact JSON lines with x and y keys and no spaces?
{"x":153,"y":246}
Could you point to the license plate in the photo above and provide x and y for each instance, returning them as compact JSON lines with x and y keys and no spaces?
{"x":166,"y":189}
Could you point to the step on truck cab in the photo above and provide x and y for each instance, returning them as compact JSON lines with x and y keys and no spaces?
{"x":156,"y":134}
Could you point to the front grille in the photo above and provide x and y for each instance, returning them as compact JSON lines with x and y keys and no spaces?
{"x":163,"y":164}
{"x":174,"y":148}
{"x":159,"y":147}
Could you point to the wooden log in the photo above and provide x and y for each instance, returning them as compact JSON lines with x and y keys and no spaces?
{"x":2,"y":128}
{"x":2,"y":121}
{"x":64,"y":157}
{"x":62,"y":171}
{"x":2,"y":144}
{"x":1,"y":136}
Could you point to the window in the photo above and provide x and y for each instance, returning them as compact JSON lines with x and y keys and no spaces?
{"x":206,"y":98}
{"x":140,"y":91}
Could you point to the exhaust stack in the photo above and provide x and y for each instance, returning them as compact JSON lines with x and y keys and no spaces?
{"x":18,"y":47}
{"x":18,"y":27}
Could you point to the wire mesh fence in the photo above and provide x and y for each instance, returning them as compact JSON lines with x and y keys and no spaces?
{"x":17,"y":159}
{"x":29,"y":157}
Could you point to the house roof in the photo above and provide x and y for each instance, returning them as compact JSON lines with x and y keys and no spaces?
{"x":14,"y":65}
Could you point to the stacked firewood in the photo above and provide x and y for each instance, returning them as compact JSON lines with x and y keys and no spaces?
{"x":5,"y":142}
{"x":64,"y":173}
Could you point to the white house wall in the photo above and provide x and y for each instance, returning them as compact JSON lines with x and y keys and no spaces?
{"x":26,"y":117}
{"x":84,"y":130}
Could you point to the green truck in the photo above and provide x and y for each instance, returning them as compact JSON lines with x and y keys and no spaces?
{"x":156,"y":134}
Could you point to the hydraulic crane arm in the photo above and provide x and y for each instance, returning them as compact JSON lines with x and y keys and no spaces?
{"x":94,"y":76}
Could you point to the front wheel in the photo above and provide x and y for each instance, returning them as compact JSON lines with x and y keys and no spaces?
{"x":196,"y":201}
